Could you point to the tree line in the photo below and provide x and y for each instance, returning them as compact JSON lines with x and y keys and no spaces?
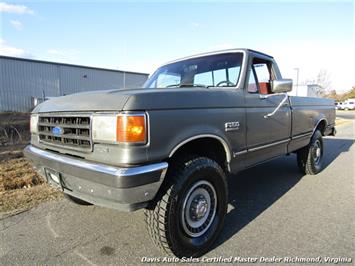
{"x":342,"y":96}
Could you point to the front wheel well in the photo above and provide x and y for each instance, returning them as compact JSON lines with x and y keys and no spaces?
{"x":205,"y":146}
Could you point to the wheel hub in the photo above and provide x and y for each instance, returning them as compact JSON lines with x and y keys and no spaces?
{"x":198,"y":208}
{"x":317,"y":152}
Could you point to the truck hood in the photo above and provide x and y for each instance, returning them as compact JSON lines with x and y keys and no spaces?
{"x":85,"y":101}
{"x":140,"y":99}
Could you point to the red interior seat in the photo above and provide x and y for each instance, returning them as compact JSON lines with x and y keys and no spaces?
{"x":264,"y":88}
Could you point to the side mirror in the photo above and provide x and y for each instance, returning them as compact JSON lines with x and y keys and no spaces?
{"x":281,"y":85}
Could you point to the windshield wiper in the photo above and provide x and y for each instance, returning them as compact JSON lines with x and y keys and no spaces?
{"x":178,"y":85}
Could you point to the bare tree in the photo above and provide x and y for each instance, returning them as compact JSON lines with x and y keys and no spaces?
{"x":332,"y":95}
{"x":324,"y":81}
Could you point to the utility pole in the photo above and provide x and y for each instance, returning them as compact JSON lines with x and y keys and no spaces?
{"x":298,"y":72}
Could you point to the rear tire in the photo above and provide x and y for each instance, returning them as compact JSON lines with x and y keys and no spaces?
{"x":77,"y":201}
{"x":310,"y":158}
{"x":188,"y":215}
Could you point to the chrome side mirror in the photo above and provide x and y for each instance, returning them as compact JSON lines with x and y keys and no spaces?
{"x":281,"y":85}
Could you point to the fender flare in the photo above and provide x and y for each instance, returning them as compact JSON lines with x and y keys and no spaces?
{"x":319,"y":121}
{"x":220,"y":139}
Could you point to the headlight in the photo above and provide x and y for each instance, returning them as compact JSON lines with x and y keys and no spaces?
{"x":120,"y":128}
{"x":34,"y":123}
{"x":104,"y":128}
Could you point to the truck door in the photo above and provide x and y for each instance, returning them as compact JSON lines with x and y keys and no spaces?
{"x":267,"y":137}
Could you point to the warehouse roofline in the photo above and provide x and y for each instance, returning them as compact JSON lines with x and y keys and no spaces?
{"x":72,"y":65}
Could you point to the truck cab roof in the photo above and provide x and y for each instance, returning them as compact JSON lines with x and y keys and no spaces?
{"x":243,"y":50}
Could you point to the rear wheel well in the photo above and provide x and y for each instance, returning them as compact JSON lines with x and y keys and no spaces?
{"x":207,"y":147}
{"x":321,"y":126}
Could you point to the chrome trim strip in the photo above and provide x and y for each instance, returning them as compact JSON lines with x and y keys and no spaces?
{"x":66,"y":114}
{"x":242,"y":69}
{"x":269,"y":145}
{"x":235,"y":154}
{"x":301,"y":135}
{"x":101,"y":168}
{"x":224,"y":143}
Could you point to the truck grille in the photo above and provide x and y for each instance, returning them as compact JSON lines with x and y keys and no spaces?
{"x":67,"y":131}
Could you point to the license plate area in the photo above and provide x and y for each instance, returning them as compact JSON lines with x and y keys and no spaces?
{"x":53,"y":178}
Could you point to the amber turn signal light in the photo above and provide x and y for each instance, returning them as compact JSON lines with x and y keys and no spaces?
{"x":131,"y":128}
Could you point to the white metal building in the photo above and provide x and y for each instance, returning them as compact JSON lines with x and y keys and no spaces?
{"x":311,"y":90}
{"x":23,"y":81}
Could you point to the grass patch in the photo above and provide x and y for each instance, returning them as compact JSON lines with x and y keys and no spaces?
{"x":339,"y":121}
{"x":14,"y":131}
{"x":21,"y":188}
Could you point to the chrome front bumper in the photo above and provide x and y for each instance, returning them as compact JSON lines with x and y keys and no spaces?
{"x":119,"y":188}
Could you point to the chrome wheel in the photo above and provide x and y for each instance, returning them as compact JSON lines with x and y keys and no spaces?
{"x":317,"y":152}
{"x":199,"y":208}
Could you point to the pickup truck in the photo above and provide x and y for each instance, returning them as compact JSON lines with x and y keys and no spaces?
{"x":168,"y":147}
{"x":349,"y":104}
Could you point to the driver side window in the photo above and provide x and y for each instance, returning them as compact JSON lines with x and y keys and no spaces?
{"x":260,"y":77}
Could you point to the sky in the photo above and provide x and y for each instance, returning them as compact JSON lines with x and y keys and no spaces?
{"x":312,"y":36}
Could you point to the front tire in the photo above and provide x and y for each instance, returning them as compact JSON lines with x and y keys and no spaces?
{"x":188,"y":215}
{"x":310,"y":158}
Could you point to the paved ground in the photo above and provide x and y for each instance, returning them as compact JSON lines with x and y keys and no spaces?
{"x":273,"y":211}
{"x":346,"y":114}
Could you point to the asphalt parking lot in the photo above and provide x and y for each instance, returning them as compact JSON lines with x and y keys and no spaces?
{"x":346,"y":114}
{"x":273,"y":211}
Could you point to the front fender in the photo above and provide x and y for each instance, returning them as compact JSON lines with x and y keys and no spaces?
{"x":170,"y":129}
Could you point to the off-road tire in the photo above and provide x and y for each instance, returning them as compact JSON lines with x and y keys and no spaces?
{"x":307,"y":158}
{"x":77,"y":201}
{"x":164,"y":217}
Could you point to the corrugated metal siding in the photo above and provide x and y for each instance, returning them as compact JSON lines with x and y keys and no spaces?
{"x":21,"y":80}
{"x":74,"y":79}
{"x":134,"y":81}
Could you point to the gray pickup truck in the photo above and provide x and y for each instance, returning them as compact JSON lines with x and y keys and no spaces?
{"x":168,"y":147}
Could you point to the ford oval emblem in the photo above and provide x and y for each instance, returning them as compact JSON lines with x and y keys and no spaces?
{"x":57,"y":131}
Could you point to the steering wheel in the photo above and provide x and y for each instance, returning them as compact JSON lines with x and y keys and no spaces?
{"x":227,"y":82}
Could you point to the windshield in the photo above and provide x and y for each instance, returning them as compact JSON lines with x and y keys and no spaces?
{"x":220,"y":70}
